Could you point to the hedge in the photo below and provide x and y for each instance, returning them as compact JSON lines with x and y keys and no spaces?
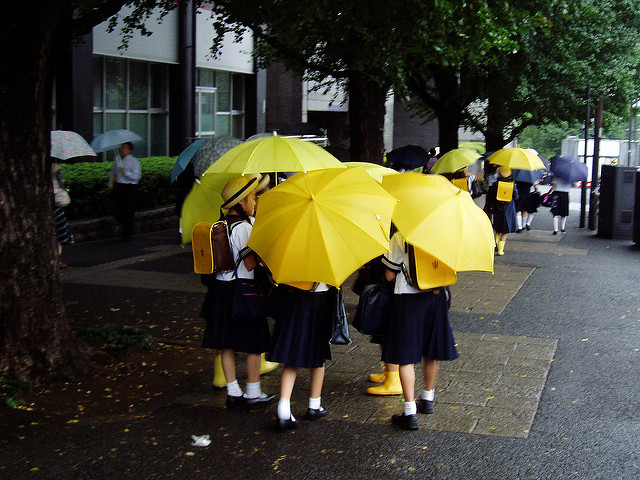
{"x":88,"y":186}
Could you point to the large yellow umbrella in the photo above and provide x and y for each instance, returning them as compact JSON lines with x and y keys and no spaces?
{"x":373,"y":169}
{"x":203,"y":202}
{"x":517,"y":158}
{"x":454,"y":160}
{"x":321,"y":226}
{"x":440,"y":219}
{"x":274,"y":154}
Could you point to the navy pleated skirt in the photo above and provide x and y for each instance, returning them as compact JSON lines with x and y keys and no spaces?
{"x":560,"y":204}
{"x":419,"y":328}
{"x":221,"y":332}
{"x":303,"y":327}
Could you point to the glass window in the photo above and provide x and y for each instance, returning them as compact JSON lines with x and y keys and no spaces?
{"x":237,"y":126}
{"x":113,"y":121}
{"x":97,"y":124}
{"x":158,"y":134}
{"x":116,"y":83}
{"x":206,"y":78}
{"x":207,"y":111}
{"x":158,"y":86}
{"x":224,"y":91}
{"x":238,"y":92}
{"x":138,"y":86}
{"x":138,"y":124}
{"x":222,"y":124}
{"x":97,"y":82}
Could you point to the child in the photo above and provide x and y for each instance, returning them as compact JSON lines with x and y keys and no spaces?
{"x":502,"y":213}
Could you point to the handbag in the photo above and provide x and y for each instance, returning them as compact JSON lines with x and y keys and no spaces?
{"x":248,"y":304}
{"x":340,"y":325}
{"x":374,"y":308}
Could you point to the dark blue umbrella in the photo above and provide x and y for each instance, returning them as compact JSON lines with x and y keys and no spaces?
{"x":529,"y":176}
{"x":184,"y":158}
{"x":569,"y":169}
{"x":407,"y":157}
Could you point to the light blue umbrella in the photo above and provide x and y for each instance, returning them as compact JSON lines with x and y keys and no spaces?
{"x":113,"y":139}
{"x":184,"y":158}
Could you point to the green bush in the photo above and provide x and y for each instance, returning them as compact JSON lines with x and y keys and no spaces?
{"x":88,"y":184}
{"x":116,"y":337}
{"x":8,"y":390}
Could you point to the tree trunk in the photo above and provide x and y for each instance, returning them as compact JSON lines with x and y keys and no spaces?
{"x":35,"y":339}
{"x":366,"y":119}
{"x":494,"y":139}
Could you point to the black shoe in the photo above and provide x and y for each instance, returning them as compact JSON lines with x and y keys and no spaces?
{"x":233,"y":402}
{"x":408,"y":422}
{"x":316,"y":413}
{"x":284,"y":425}
{"x":519,"y":230}
{"x":563,"y":230}
{"x":257,"y":402}
{"x":528,"y":227}
{"x":425,"y":406}
{"x":555,"y":232}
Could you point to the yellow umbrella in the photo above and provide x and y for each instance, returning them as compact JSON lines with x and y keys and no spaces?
{"x":203,"y":202}
{"x":454,"y":160}
{"x":373,"y":169}
{"x":274,"y":154}
{"x":518,"y":158}
{"x":440,"y":219}
{"x":321,"y":226}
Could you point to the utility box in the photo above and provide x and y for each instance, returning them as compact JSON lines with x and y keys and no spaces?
{"x":636,"y":212}
{"x":617,"y":201}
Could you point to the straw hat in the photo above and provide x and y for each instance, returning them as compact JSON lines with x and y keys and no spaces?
{"x":504,"y":172}
{"x":238,"y":188}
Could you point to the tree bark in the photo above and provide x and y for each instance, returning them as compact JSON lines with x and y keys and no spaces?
{"x":366,"y":119}
{"x":36,"y":342}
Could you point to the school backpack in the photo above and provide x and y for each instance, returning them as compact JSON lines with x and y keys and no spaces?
{"x":211,"y":247}
{"x":505,"y":191}
{"x":424,"y":271}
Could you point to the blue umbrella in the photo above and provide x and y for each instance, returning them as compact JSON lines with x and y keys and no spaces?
{"x":407,"y":157}
{"x":184,"y":158}
{"x":113,"y":139}
{"x":569,"y":169}
{"x":529,"y":176}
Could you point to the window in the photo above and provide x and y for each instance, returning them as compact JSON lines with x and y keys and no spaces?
{"x":220,"y":103}
{"x":133,"y":95}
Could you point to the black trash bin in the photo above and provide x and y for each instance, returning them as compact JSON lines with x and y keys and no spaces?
{"x":617,"y":199}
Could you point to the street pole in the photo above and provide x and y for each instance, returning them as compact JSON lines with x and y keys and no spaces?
{"x":583,"y":196}
{"x":595,"y":166}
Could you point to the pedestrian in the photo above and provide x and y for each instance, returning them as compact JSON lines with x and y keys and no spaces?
{"x":303,"y":318}
{"x":225,"y":330}
{"x":466,"y":181}
{"x":432,"y":160}
{"x":501,"y":207}
{"x":560,"y":203}
{"x":534,"y":200}
{"x":524,"y":200}
{"x":61,"y":200}
{"x":419,"y":331}
{"x":125,"y":176}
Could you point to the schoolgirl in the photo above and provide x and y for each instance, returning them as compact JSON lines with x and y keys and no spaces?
{"x":502,"y":213}
{"x":419,"y":330}
{"x":223,"y":332}
{"x":301,"y":340}
{"x":560,"y":203}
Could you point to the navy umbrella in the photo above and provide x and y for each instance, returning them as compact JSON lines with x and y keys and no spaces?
{"x":407,"y":157}
{"x":569,"y":169}
{"x":529,"y":176}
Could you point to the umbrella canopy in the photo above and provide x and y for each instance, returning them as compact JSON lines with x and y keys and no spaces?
{"x":436,"y":217}
{"x":112,"y":139}
{"x":321,"y":226}
{"x":569,"y":169}
{"x":211,"y":150}
{"x":66,"y":145}
{"x":454,"y":160}
{"x":203,"y":202}
{"x":274,"y":154}
{"x":407,"y":157}
{"x":184,"y":158}
{"x":517,"y":158}
{"x":373,"y":169}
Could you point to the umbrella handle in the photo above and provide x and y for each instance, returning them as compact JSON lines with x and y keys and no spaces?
{"x":384,"y":230}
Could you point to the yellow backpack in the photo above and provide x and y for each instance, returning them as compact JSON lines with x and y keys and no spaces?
{"x":505,"y":191}
{"x":461,"y":183}
{"x":425,"y":271}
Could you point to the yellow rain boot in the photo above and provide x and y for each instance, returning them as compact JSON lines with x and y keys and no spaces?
{"x":267,"y":366}
{"x":391,"y":385}
{"x":498,"y":235}
{"x":501,"y":247}
{"x":219,"y":380}
{"x":379,"y":377}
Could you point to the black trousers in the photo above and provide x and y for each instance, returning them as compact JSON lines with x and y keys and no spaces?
{"x":125,"y":196}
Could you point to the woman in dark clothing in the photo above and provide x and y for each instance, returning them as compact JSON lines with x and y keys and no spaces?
{"x":502,"y":209}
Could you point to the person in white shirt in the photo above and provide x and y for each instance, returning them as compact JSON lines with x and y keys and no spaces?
{"x":125,"y":175}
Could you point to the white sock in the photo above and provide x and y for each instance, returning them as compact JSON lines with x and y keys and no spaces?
{"x":529,"y":219}
{"x":564,"y":222}
{"x":519,"y":221}
{"x":555,"y":224}
{"x":284,"y":409}
{"x":253,"y":390}
{"x":233,"y":389}
{"x":410,"y":408}
{"x":314,"y":403}
{"x":428,"y":395}
{"x":179,"y":229}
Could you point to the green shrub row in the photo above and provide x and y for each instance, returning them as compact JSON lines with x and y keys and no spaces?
{"x":88,"y":186}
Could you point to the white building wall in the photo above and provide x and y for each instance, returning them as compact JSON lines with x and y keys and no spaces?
{"x":234,"y":57}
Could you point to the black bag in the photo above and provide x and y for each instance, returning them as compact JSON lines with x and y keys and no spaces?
{"x":476,"y":189}
{"x":248,"y":304}
{"x":340,"y":326}
{"x":374,"y":309}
